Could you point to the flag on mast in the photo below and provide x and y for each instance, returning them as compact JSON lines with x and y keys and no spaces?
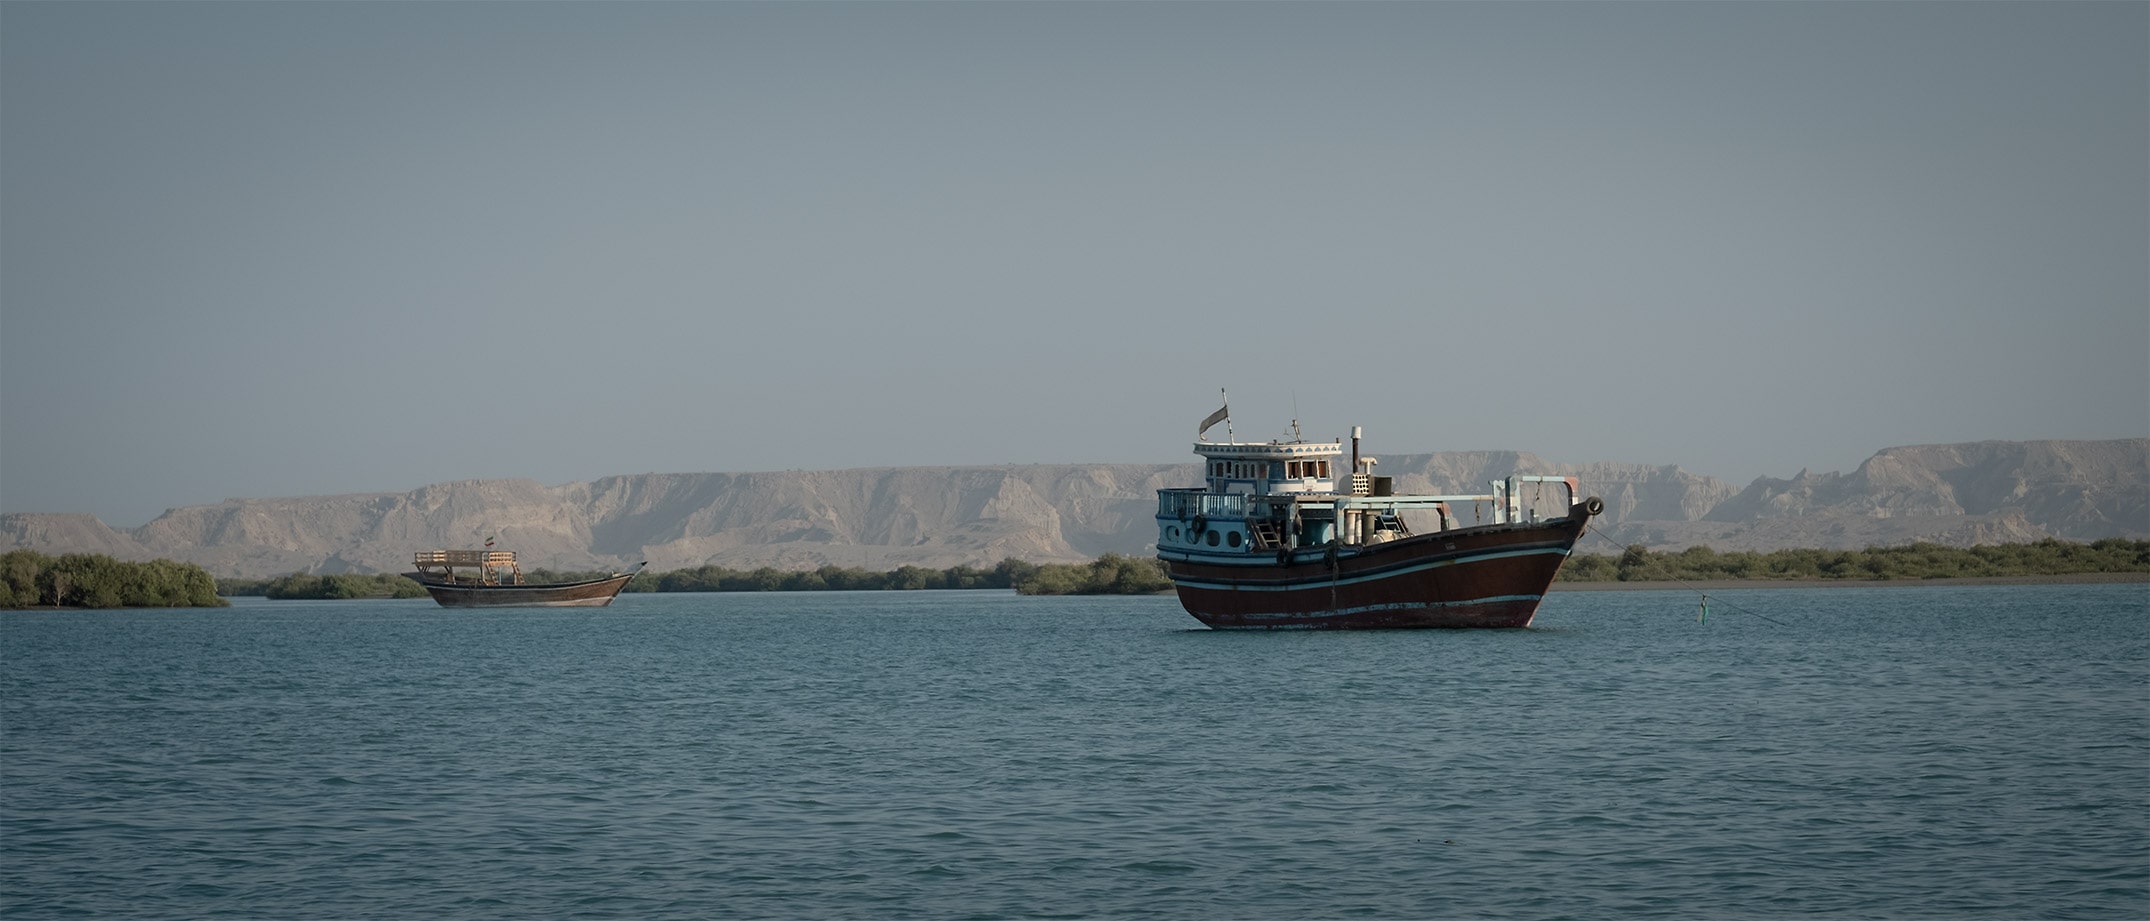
{"x":489,"y":541}
{"x":1223,"y":412}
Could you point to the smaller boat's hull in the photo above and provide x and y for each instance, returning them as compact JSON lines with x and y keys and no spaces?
{"x":595,"y":593}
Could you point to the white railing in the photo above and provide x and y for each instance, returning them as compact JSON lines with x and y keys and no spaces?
{"x":1197,"y":502}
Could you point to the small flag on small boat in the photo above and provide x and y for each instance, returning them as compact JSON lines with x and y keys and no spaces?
{"x":1223,"y":412}
{"x":489,"y":541}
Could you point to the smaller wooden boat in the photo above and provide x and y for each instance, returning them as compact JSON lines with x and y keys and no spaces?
{"x":492,"y":579}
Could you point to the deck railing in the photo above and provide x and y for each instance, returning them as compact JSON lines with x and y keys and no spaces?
{"x":464,"y":557}
{"x":1194,"y":501}
{"x":1510,"y":500}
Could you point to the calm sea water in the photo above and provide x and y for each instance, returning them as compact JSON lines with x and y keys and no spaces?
{"x":1924,"y":752}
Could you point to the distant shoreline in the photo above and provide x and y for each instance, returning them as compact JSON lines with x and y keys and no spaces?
{"x":1714,"y":585}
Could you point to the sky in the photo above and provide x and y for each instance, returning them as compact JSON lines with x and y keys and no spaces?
{"x":261,"y":250}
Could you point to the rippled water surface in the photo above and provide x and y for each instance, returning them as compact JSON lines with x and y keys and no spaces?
{"x":1922,"y":752}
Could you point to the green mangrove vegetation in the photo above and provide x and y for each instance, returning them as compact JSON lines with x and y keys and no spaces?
{"x":1114,"y":574}
{"x":1913,"y":561}
{"x":826,"y":579}
{"x":1107,"y":575}
{"x":93,"y":580}
{"x":1111,"y":574}
{"x":339,"y":585}
{"x":82,"y":580}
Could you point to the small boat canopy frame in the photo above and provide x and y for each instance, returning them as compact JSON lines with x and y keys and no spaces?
{"x":490,"y":566}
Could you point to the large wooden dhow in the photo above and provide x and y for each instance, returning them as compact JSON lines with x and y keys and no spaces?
{"x":492,"y":579}
{"x":1270,"y":542}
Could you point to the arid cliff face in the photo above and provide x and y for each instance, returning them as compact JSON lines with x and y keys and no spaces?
{"x":881,"y":518}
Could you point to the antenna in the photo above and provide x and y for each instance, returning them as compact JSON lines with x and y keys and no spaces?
{"x":1295,"y":436}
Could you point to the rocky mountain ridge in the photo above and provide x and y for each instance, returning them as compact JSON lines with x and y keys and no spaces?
{"x":882,"y":518}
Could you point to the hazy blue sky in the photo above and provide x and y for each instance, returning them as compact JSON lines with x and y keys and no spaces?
{"x":254,"y":249}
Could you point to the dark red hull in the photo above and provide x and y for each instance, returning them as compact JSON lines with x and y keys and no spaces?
{"x":1478,"y":577}
{"x":595,"y":593}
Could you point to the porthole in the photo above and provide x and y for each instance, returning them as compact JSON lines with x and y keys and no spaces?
{"x":1232,"y":538}
{"x":1172,"y":533}
{"x":1194,"y":536}
{"x":1211,"y":537}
